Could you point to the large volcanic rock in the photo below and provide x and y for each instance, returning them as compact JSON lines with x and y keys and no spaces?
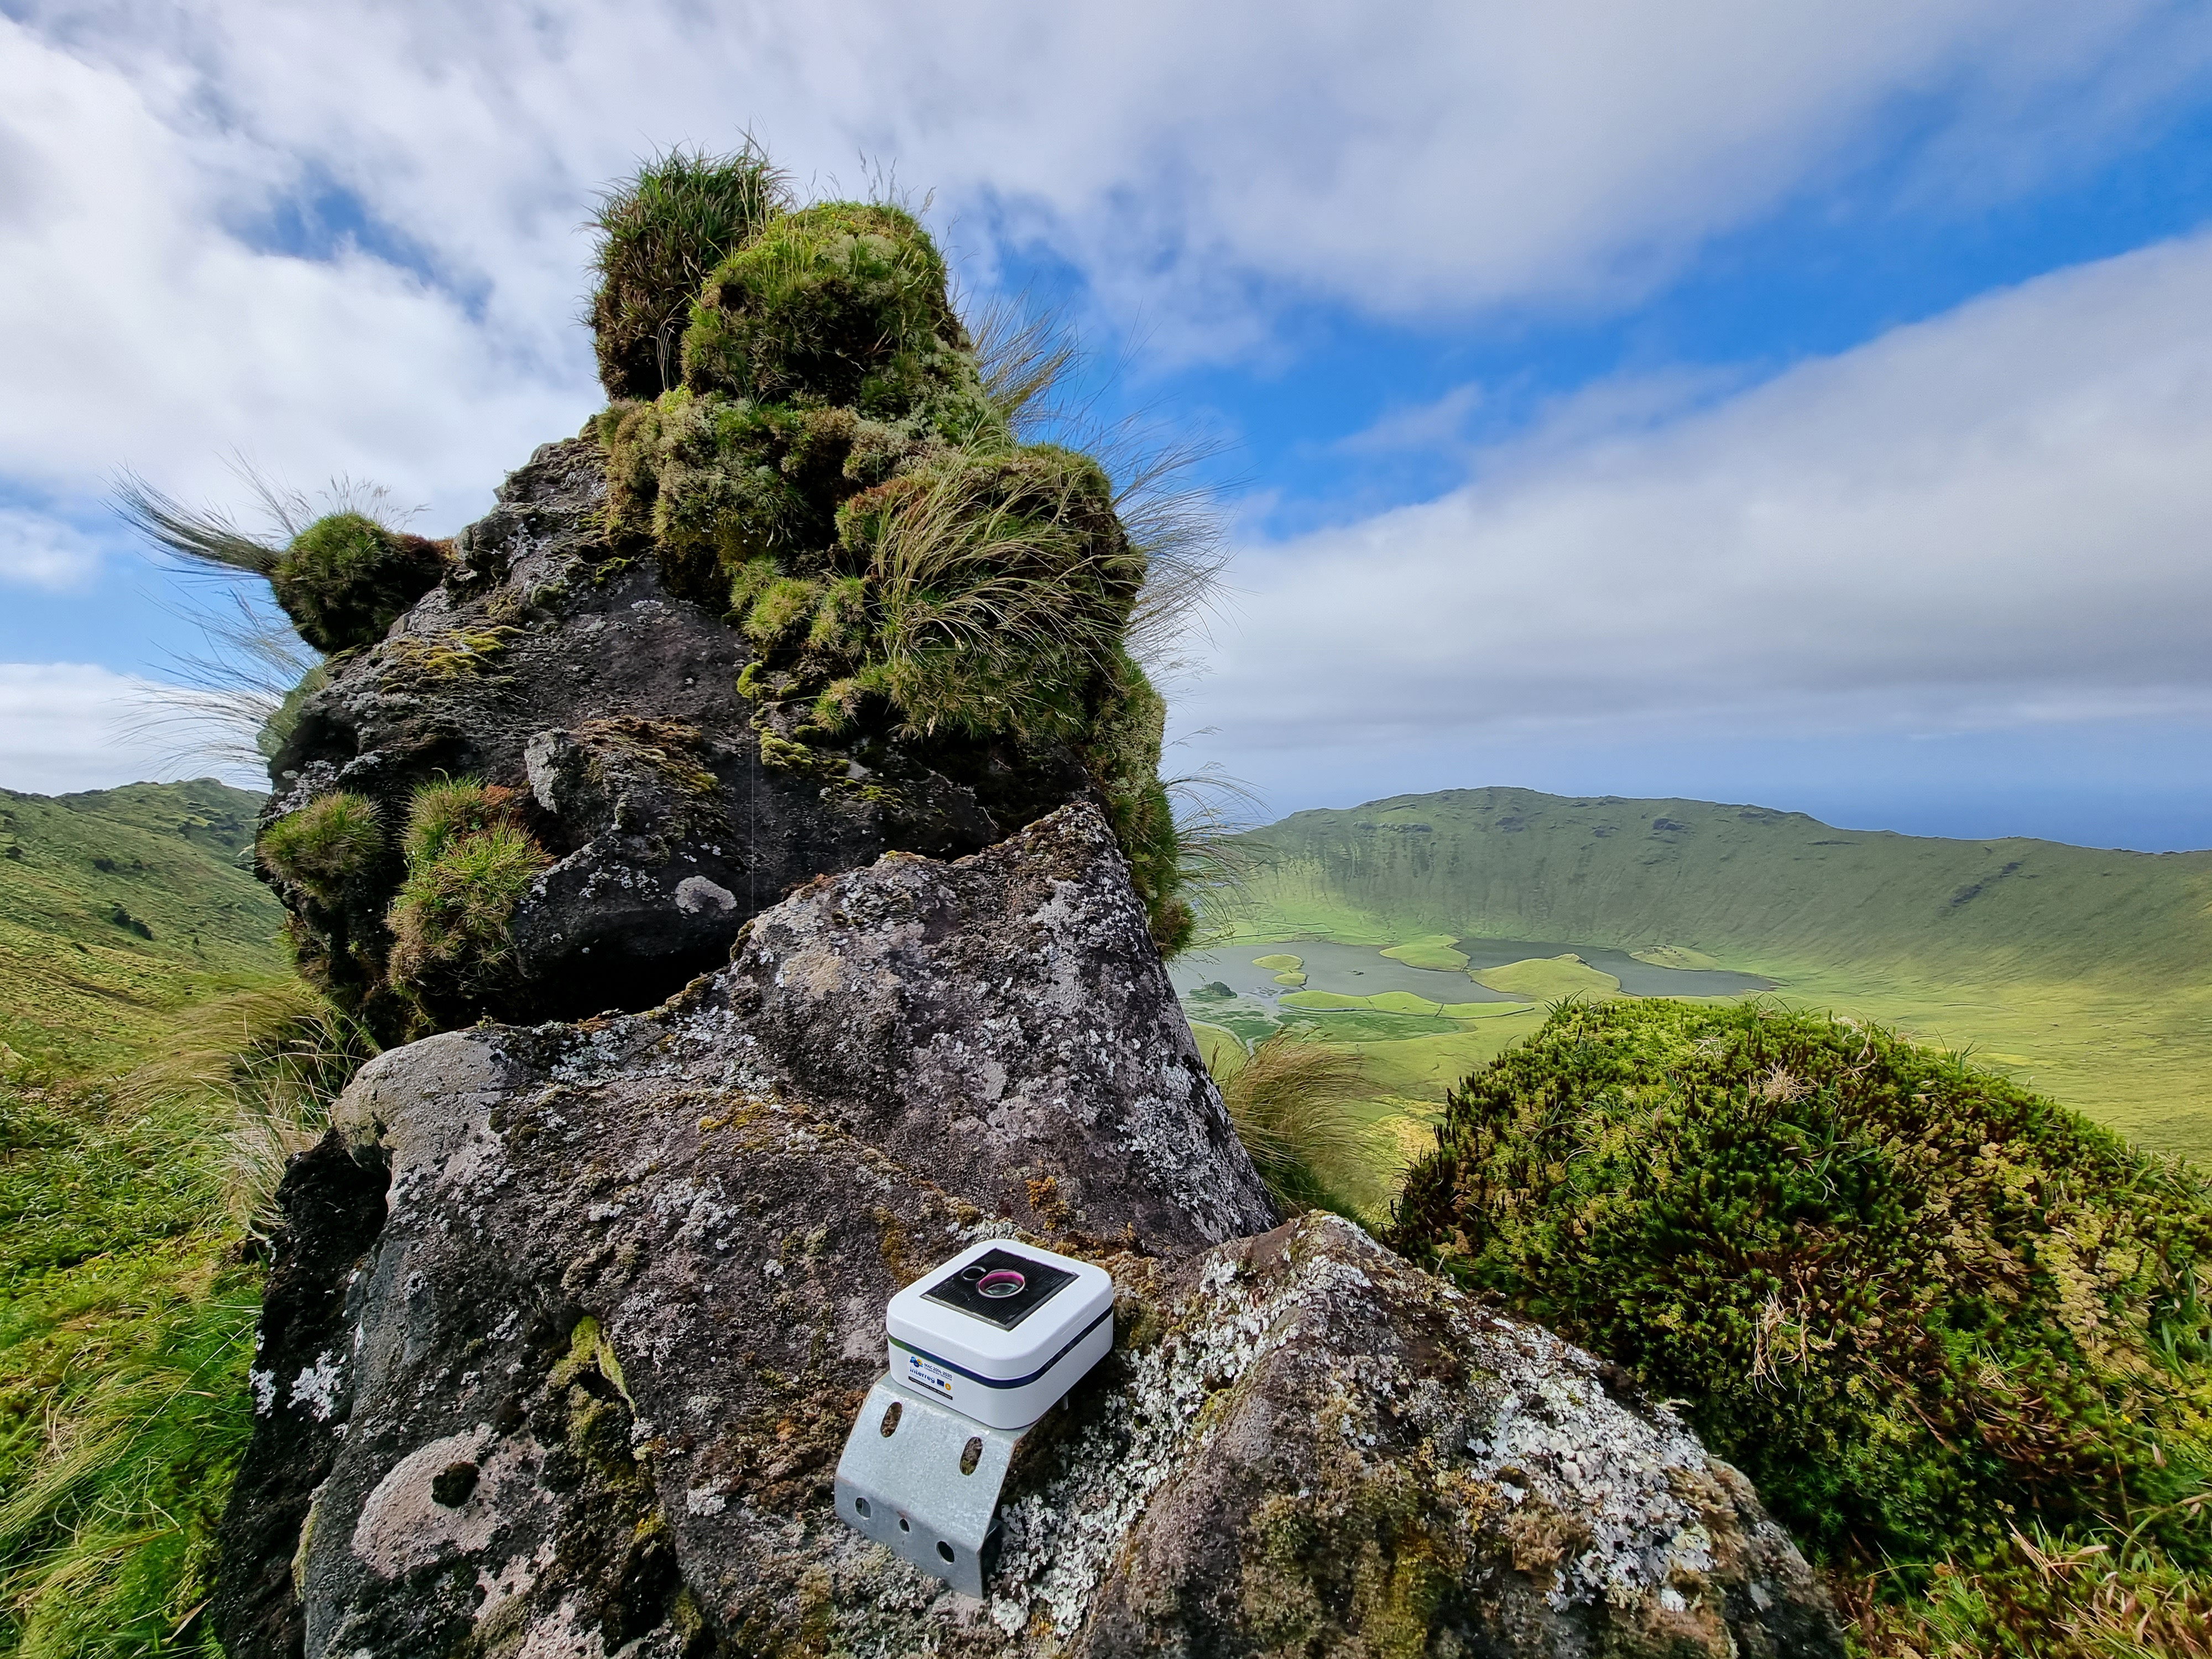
{"x":604,"y":1353}
{"x":556,"y":661}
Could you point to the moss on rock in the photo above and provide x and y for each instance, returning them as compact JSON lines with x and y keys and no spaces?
{"x":843,"y":304}
{"x":904,"y":569}
{"x":1920,"y":1305}
{"x":345,"y":579}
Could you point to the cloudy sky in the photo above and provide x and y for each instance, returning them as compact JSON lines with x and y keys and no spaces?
{"x":1805,"y":405}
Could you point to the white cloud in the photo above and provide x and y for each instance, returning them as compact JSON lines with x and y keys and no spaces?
{"x":36,"y":551}
{"x":1195,"y":161}
{"x":2000,"y":518}
{"x":66,"y":726}
{"x":138,"y":331}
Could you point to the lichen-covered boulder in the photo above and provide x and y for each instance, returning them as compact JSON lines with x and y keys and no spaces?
{"x":605,"y":1352}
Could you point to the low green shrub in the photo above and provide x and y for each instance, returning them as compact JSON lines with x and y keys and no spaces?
{"x":332,"y":843}
{"x":660,"y":234}
{"x":1925,"y":1309}
{"x":345,"y":579}
{"x":468,"y":865}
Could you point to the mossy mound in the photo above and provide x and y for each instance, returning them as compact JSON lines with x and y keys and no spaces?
{"x":920,"y":590}
{"x":842,"y":304}
{"x":1927,"y":1310}
{"x":660,"y":234}
{"x":345,"y":579}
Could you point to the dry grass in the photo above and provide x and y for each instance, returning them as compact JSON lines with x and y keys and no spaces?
{"x":1292,"y":1102}
{"x":977,"y":588}
{"x":276,"y":1057}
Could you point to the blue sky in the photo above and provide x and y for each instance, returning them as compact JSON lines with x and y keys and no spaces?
{"x":1807,"y":405}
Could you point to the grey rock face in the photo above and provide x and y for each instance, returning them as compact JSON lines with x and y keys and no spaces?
{"x":631,"y":1291}
{"x":507,"y":673}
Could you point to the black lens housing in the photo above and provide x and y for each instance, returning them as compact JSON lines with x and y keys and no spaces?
{"x":1041,"y":1282}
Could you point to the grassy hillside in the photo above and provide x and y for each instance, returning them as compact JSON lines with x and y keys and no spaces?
{"x":119,"y":908}
{"x":2087,"y":973}
{"x":160,"y":1061}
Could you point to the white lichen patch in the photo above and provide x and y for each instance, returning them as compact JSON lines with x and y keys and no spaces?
{"x":1531,"y":1422}
{"x":317,"y":1385}
{"x":1557,"y":1435}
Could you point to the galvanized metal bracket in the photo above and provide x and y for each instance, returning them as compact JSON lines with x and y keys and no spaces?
{"x":923,"y":1480}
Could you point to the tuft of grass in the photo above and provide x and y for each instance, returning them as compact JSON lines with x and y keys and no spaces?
{"x":1001,"y":585}
{"x":659,"y":234}
{"x":129,"y":1299}
{"x":445,"y":810}
{"x":1292,"y":1100}
{"x":1918,"y":1305}
{"x":469,"y":865}
{"x":330,"y":843}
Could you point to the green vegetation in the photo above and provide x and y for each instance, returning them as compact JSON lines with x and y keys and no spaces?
{"x":1280,"y":962}
{"x":1435,"y":953}
{"x":2079,"y":972}
{"x":468,"y":865}
{"x":1548,"y":977}
{"x":346,"y":578}
{"x":331,"y":844}
{"x":1945,"y":1325}
{"x":659,"y":234}
{"x":1290,"y":1099}
{"x":129,"y":1296}
{"x":845,"y":302}
{"x":840,"y":468}
{"x":87,"y":992}
{"x":128,"y":1204}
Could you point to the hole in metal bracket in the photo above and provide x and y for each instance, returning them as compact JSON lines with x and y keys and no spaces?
{"x":945,"y":1549}
{"x":891,"y":1418}
{"x":861,"y":1508}
{"x":903,"y":1527}
{"x":971,"y":1454}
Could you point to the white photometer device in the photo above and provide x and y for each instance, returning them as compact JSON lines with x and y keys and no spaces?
{"x":979,"y":1348}
{"x":1001,"y":1331}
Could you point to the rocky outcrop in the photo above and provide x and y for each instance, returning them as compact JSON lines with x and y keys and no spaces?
{"x":667,"y":827}
{"x":605,"y":1351}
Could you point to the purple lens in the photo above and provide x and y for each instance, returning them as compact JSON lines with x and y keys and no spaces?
{"x":999,"y":1283}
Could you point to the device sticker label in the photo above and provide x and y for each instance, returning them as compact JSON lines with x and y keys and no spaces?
{"x":926,"y":1376}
